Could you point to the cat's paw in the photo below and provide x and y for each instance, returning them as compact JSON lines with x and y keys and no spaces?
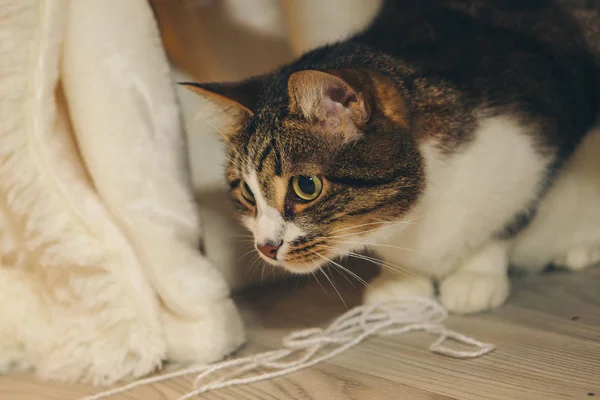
{"x":579,"y":258}
{"x":384,"y":288}
{"x":470,"y":292}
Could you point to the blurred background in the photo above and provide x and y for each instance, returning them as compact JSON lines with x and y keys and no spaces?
{"x":232,"y":39}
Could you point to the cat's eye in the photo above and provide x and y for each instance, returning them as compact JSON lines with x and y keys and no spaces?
{"x":308,"y":187}
{"x":247,"y":193}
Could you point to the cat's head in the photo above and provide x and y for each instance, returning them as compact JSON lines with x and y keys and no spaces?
{"x":318,"y":161}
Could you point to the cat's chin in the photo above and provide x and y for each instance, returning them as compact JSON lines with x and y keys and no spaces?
{"x":294,"y":268}
{"x":312,"y":265}
{"x":299,"y":269}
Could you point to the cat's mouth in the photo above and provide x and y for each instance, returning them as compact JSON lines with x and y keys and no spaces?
{"x":304,"y":256}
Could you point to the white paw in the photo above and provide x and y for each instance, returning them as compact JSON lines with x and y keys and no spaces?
{"x":470,"y":292}
{"x":384,"y":288}
{"x":579,"y":258}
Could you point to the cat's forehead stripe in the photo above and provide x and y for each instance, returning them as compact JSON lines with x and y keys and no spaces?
{"x":276,"y":156}
{"x":261,"y":161}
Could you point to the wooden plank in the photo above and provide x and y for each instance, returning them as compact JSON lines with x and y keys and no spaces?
{"x":542,"y":353}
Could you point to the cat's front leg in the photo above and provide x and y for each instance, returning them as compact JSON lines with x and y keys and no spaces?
{"x":389,"y":284}
{"x":480,"y":283}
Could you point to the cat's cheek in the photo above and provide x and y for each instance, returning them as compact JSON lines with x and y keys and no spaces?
{"x":250,"y":224}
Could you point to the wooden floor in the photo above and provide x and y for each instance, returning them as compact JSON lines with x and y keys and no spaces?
{"x":548,"y":339}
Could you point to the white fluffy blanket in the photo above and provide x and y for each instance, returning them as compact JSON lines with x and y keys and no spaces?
{"x":100,"y":277}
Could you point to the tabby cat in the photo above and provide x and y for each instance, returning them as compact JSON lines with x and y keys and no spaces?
{"x":438,"y":138}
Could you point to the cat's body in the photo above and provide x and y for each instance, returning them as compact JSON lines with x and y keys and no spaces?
{"x":435,"y":138}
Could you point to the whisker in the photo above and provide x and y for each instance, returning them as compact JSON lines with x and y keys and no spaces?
{"x":390,"y":224}
{"x":247,"y":241}
{"x":367,"y":231}
{"x":416,"y":217}
{"x":331,"y":282}
{"x":383,"y":264}
{"x":262,"y":272}
{"x":270,"y":270}
{"x":384,"y":245}
{"x":253,"y":266}
{"x":245,"y":255}
{"x":317,"y":279}
{"x":342,"y":272}
{"x":355,"y":276}
{"x":341,"y":267}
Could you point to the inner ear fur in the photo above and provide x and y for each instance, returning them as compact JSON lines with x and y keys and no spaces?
{"x":319,"y":95}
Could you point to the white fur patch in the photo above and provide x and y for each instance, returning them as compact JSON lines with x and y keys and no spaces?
{"x":567,"y":225}
{"x":480,"y":283}
{"x":469,"y":197}
{"x":269,"y":226}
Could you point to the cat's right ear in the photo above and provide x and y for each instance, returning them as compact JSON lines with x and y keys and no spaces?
{"x":327,"y":100}
{"x":235,"y":102}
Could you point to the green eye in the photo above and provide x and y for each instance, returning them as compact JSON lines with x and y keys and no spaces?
{"x":307,"y":188}
{"x":247,"y":193}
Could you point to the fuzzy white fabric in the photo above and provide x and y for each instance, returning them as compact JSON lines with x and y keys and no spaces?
{"x":100,"y":277}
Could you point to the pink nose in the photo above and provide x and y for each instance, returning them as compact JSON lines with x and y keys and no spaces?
{"x":269,"y":250}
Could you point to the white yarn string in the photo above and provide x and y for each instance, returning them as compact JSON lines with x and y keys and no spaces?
{"x":312,"y":346}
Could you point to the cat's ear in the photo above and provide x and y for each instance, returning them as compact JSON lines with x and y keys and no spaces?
{"x":329,"y":101}
{"x":236,"y":101}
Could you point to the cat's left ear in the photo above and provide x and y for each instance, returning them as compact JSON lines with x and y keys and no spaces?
{"x":329,"y":101}
{"x":236,"y":101}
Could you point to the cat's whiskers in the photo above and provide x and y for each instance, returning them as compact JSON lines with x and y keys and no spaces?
{"x":368,"y":231}
{"x":388,"y":224}
{"x":331,"y":282}
{"x":344,"y":269}
{"x":244,"y":240}
{"x":250,"y":238}
{"x":352,"y":274}
{"x":344,"y":274}
{"x":262,"y":271}
{"x":245,"y":254}
{"x":257,"y":261}
{"x":411,"y":220}
{"x":366,"y":244}
{"x":379,"y":222}
{"x":315,"y":276}
{"x":383,"y":264}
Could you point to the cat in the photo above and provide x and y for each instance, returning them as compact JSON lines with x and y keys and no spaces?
{"x":451,"y":138}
